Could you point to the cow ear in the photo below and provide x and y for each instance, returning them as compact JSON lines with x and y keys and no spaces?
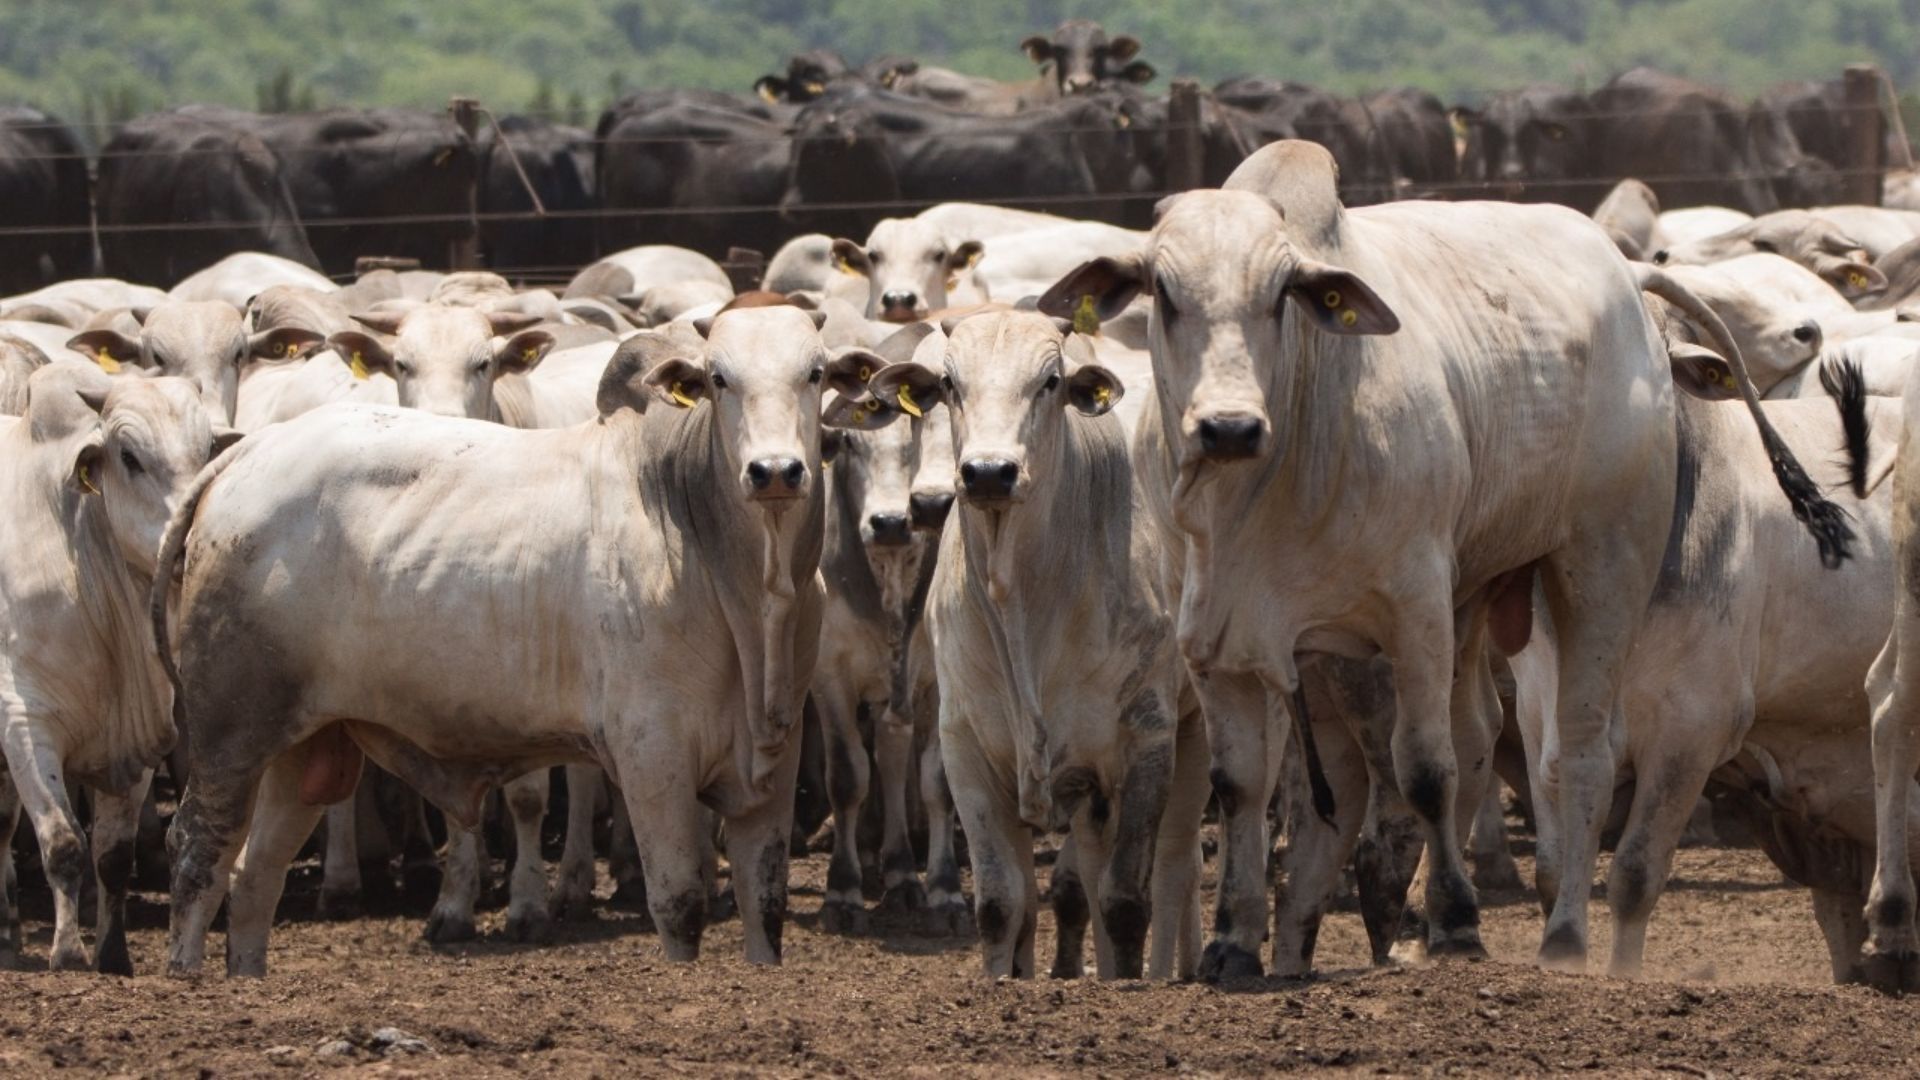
{"x":856,"y":413}
{"x":770,"y":88}
{"x":1701,"y":372}
{"x":141,"y":314}
{"x":1852,"y":277}
{"x":1139,"y":71}
{"x":680,"y":383}
{"x":108,"y":348}
{"x":1038,"y":48}
{"x":284,"y":342}
{"x":1094,"y":390}
{"x":86,"y":465}
{"x":965,"y":256}
{"x":1123,"y":47}
{"x":1339,"y":302}
{"x":1461,"y":119}
{"x":851,"y":368}
{"x":851,"y":258}
{"x":224,"y":437}
{"x":910,"y":387}
{"x":522,"y":352}
{"x":1103,"y":287}
{"x":363,"y":353}
{"x":381,"y":322}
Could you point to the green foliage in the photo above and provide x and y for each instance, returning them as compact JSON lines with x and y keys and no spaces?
{"x":98,"y":61}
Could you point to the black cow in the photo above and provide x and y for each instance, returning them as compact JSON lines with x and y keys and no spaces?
{"x":1695,"y":146}
{"x":1416,"y":136}
{"x":1080,"y":58}
{"x":704,"y":171}
{"x":1266,"y":110}
{"x":558,"y":160}
{"x":181,"y":189}
{"x":397,"y":182}
{"x":808,"y":76}
{"x":43,"y":185}
{"x":1530,"y":145}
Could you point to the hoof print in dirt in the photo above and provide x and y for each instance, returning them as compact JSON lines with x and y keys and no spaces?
{"x":839,"y":917}
{"x":1223,"y":961}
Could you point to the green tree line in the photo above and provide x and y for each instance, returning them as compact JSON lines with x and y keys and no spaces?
{"x":98,"y":61}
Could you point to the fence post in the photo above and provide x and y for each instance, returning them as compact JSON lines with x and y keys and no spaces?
{"x":464,"y":253}
{"x":1186,"y":156}
{"x":1865,"y":125}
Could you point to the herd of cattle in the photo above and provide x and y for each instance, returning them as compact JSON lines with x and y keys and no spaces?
{"x":830,"y":148}
{"x":1317,"y":516}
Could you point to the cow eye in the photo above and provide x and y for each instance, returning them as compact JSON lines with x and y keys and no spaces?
{"x":404,"y":367}
{"x":938,"y":256}
{"x":482,"y":364}
{"x":946,"y":385}
{"x":1053,"y":383}
{"x":1165,"y":299}
{"x":131,"y":462}
{"x":814,"y":376}
{"x":874,"y":258}
{"x":719,"y":381}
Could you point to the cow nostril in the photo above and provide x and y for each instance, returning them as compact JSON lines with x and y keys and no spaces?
{"x":967,"y":473}
{"x":989,"y":478}
{"x":890,"y":530}
{"x":1009,"y":472}
{"x":794,"y":474}
{"x":1228,"y":437}
{"x":930,"y":509}
{"x":1660,"y":257}
{"x":759,"y":475}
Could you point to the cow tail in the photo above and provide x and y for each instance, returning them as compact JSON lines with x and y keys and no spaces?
{"x":1847,"y":386}
{"x":1821,"y":516}
{"x":1310,"y":753}
{"x":173,"y":546}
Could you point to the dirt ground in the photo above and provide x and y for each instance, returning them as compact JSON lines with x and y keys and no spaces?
{"x":1737,"y":986}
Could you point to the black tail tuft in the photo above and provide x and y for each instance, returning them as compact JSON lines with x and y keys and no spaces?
{"x":1844,"y":383}
{"x":1310,"y":752}
{"x":1822,"y":517}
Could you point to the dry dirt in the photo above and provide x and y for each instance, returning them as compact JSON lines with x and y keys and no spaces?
{"x":1737,"y":985}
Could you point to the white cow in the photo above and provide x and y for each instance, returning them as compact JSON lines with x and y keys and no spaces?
{"x":638,"y":590}
{"x":241,"y":276}
{"x":89,"y":476}
{"x":1816,"y":240}
{"x":911,"y":269}
{"x":203,"y":341}
{"x":1372,"y":428}
{"x":1059,"y":693}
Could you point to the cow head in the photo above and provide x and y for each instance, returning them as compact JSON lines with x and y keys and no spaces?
{"x":154,"y":437}
{"x":1527,"y":144}
{"x":808,"y":75}
{"x":203,"y":342}
{"x":1230,"y":333}
{"x":444,"y":360}
{"x":1083,"y":57}
{"x":1007,"y":383}
{"x":1763,"y":300}
{"x":1806,"y":238}
{"x":909,"y":267}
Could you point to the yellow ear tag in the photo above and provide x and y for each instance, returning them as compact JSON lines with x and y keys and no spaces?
{"x":107,"y":363}
{"x":860,"y":414}
{"x":845,"y":267}
{"x":1085,"y":319}
{"x":1349,"y":317}
{"x":1101,"y":396}
{"x":865,"y":373}
{"x":288,"y":348}
{"x":907,"y":404}
{"x":953,"y":282}
{"x":1332,"y":299}
{"x":679,"y":394}
{"x":529,"y":355}
{"x":86,"y":480}
{"x":359,"y":367}
{"x":1857,"y":279}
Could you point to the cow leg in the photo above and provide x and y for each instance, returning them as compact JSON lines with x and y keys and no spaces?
{"x":9,"y":878}
{"x":116,"y":822}
{"x":340,"y":884}
{"x":1176,"y":858}
{"x":460,"y":871}
{"x":1317,"y":850}
{"x":573,"y":892}
{"x":671,"y":829}
{"x":1072,"y":909}
{"x":810,"y":803}
{"x":1891,"y":961}
{"x":1536,"y":690}
{"x":1476,"y":721}
{"x":757,"y":852}
{"x":527,"y":918}
{"x":623,"y":858}
{"x":281,"y":824}
{"x":844,"y":910}
{"x":1664,"y":795}
{"x":1244,"y":739}
{"x":1844,"y":926}
{"x":1121,"y":908}
{"x":893,"y":753}
{"x":40,"y":778}
{"x":1493,"y":865}
{"x":1006,"y":896}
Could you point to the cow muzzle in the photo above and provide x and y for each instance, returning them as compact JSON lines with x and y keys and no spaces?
{"x":989,"y":481}
{"x":929,"y":509}
{"x":775,"y":478}
{"x":900,"y":307}
{"x":1231,"y":436}
{"x":889,"y":530}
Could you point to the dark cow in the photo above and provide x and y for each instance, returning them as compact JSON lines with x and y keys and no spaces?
{"x":808,"y":76}
{"x":43,"y":185}
{"x":558,"y":161}
{"x":1529,"y":145}
{"x":1081,"y":58}
{"x":1266,"y":110}
{"x":358,"y":166}
{"x":1824,"y":125}
{"x":690,"y":152}
{"x":178,"y":190}
{"x":1414,"y":134}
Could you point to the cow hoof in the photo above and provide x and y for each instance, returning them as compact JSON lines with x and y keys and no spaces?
{"x":1891,"y":973}
{"x":841,"y":917}
{"x":571,"y":907}
{"x":721,"y":906}
{"x":69,"y":960}
{"x":1563,"y":950}
{"x":1462,"y":945}
{"x":1067,"y":967}
{"x":533,"y":926}
{"x":340,"y":906}
{"x":113,"y":959}
{"x":443,"y":929}
{"x":908,"y":895}
{"x":1224,"y":961}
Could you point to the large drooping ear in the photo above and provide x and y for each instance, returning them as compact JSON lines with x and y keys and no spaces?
{"x":363,"y":353}
{"x":284,"y":342}
{"x":381,"y":322}
{"x":108,"y":348}
{"x":1105,"y":286}
{"x":1851,"y":276}
{"x":1139,"y":71}
{"x":85,"y":477}
{"x":964,"y":256}
{"x":1338,"y":301}
{"x":771,"y":89}
{"x":521,"y":353}
{"x":912,"y":388}
{"x":1038,"y":48}
{"x":680,"y":383}
{"x":851,"y":258}
{"x":851,"y":368}
{"x":1093,"y":389}
{"x":1123,"y":47}
{"x":1701,"y":372}
{"x":224,"y":437}
{"x":859,"y":412}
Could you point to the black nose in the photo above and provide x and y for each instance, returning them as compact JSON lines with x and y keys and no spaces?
{"x":899,"y":299}
{"x":777,"y":476}
{"x":1660,"y":257}
{"x":989,"y":478}
{"x":1227,"y":438}
{"x":890,"y":530}
{"x":930,"y":509}
{"x":1806,"y":333}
